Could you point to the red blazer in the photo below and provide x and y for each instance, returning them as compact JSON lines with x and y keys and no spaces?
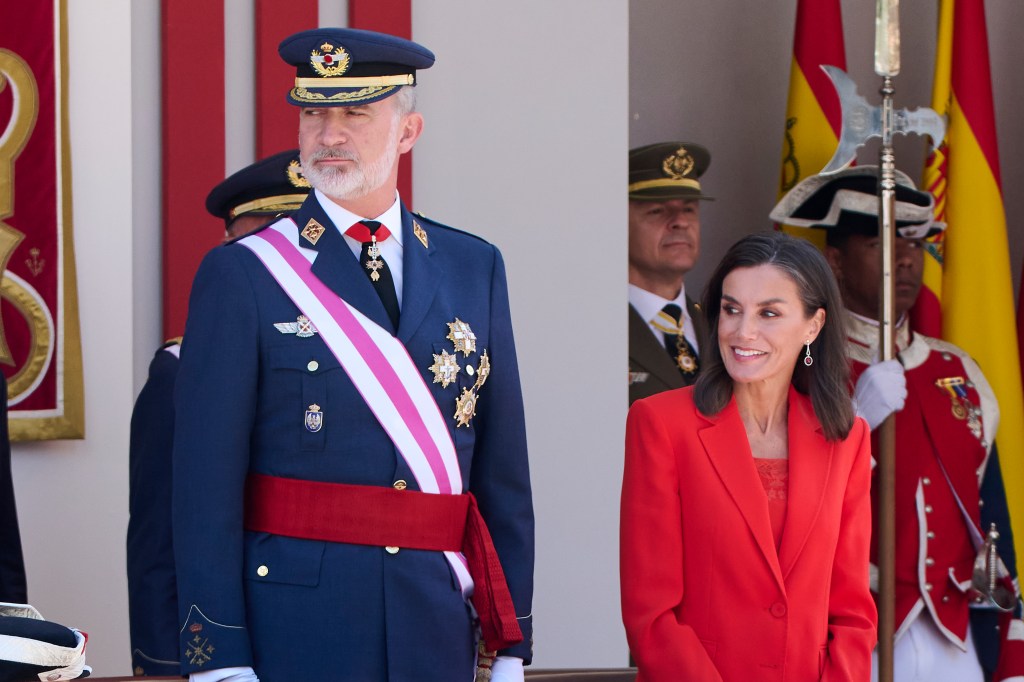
{"x":705,"y":596}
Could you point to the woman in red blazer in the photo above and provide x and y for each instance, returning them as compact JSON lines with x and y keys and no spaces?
{"x":745,"y":505}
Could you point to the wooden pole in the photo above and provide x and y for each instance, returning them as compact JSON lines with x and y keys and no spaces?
{"x":887,"y":65}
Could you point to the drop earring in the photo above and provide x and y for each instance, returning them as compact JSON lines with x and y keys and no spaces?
{"x":808,"y":360}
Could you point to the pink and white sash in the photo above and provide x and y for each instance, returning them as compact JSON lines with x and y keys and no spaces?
{"x":376,"y":362}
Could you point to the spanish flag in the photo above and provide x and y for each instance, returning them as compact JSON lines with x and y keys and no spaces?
{"x":813,"y":115}
{"x":970,"y":275}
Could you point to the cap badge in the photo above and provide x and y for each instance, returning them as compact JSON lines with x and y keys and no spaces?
{"x":444,"y":368}
{"x":312,"y":231}
{"x":328,"y":61}
{"x":420,"y":233}
{"x":295,"y":175}
{"x":678,"y":165}
{"x":314,"y":418}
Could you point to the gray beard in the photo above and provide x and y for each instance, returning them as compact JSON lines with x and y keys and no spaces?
{"x":355,"y":182}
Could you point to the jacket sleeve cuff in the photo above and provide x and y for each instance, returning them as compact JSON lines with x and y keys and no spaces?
{"x":207,"y":645}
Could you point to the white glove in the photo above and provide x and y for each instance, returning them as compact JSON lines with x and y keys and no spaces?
{"x":241,"y":674}
{"x":507,"y":669}
{"x":880,"y":391}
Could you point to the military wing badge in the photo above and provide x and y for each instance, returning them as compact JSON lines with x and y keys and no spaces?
{"x":301,"y":327}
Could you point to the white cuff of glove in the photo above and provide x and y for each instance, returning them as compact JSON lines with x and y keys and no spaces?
{"x":880,"y":391}
{"x":507,"y":669}
{"x":240,"y":674}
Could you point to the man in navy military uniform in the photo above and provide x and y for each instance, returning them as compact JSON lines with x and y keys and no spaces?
{"x":246,"y":200}
{"x":666,"y":327}
{"x":12,"y":566}
{"x":351,"y":490}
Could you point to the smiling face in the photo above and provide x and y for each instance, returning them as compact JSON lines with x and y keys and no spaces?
{"x":857,"y":265}
{"x":762,"y":326}
{"x":664,"y":242}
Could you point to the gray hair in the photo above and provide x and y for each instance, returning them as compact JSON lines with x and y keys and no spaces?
{"x":405,"y":100}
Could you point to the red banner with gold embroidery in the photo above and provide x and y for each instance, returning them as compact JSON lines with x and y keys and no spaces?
{"x":40,"y":346}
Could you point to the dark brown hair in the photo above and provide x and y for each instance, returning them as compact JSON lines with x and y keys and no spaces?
{"x":826,"y":381}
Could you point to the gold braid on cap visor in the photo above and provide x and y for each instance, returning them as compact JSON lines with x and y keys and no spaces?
{"x":356,"y":82}
{"x":284,"y":202}
{"x":664,"y":182}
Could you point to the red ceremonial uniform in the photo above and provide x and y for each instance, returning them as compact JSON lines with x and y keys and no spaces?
{"x":940,"y":431}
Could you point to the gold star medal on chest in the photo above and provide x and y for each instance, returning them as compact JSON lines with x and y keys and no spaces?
{"x":465,"y":406}
{"x":446,"y":369}
{"x":462,"y":337}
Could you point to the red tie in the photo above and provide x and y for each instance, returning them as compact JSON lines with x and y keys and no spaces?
{"x":361,"y":233}
{"x":376,"y":268}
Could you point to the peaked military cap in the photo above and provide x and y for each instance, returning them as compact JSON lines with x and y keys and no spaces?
{"x":270,"y":186}
{"x":347,"y":66}
{"x":667,"y":170}
{"x":848,"y":200}
{"x":32,"y":648}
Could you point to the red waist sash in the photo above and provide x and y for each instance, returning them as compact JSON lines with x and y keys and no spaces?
{"x":373,"y":515}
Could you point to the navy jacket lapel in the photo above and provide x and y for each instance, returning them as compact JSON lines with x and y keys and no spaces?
{"x":336,"y":266}
{"x":421,"y":276}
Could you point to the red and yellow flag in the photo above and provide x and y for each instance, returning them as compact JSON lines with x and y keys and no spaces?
{"x":813,"y":116}
{"x":970,"y":275}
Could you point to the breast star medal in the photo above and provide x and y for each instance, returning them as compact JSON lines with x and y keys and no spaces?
{"x":465,"y":407}
{"x":462,"y":336}
{"x":445,"y":368}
